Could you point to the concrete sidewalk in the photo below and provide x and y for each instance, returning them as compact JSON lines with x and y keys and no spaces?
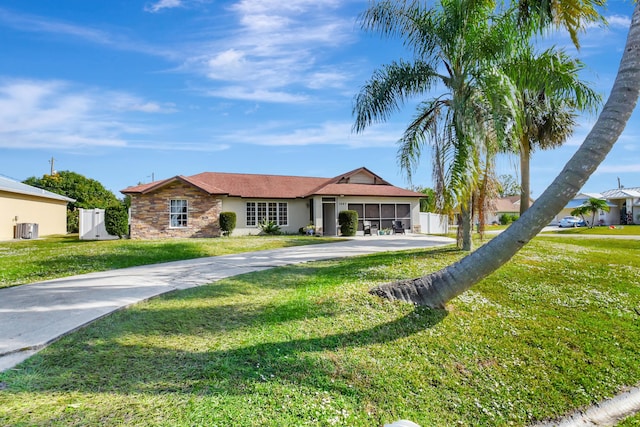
{"x":32,"y":316}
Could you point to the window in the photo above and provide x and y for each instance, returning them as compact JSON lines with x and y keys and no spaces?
{"x":262,"y":211}
{"x":251,"y":214}
{"x":283,"y":214}
{"x":178,"y":213}
{"x":277,"y":212}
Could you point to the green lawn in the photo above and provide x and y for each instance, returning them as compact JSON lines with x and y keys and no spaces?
{"x":27,"y":261}
{"x":616,"y":230}
{"x":631,"y":421}
{"x":554,"y":330}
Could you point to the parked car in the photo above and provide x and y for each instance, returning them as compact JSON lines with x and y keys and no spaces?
{"x":571,"y":221}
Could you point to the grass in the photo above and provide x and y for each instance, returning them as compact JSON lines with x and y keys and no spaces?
{"x":554,"y":330}
{"x":27,"y":261}
{"x":618,"y":230}
{"x":632,"y":421}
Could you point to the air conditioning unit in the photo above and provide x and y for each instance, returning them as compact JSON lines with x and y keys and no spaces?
{"x":27,"y":230}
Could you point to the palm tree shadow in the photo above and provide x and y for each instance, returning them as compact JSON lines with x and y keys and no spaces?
{"x":158,"y":370}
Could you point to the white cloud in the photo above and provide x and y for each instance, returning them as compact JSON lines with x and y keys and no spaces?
{"x":618,"y":168}
{"x":261,"y":95}
{"x":205,"y":147}
{"x":153,"y":107}
{"x":37,"y":114}
{"x":31,"y":23}
{"x":277,"y":49}
{"x":619,"y":21}
{"x":328,"y":133}
{"x":162,"y":4}
{"x":39,"y":24}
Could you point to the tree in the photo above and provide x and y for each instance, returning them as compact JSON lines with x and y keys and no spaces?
{"x":434,"y":290}
{"x":550,"y":94}
{"x":428,"y":203}
{"x":508,"y":186}
{"x":455,"y":46}
{"x":592,"y":206}
{"x":88,"y":193}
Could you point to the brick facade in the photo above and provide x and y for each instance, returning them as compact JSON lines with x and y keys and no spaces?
{"x":150,"y":213}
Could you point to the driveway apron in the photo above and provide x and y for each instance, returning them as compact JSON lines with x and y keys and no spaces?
{"x":33,"y":316}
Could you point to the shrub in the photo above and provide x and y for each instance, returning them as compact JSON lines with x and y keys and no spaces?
{"x":116,"y":220}
{"x":269,"y":227}
{"x":348,"y":221}
{"x":506,"y":219}
{"x":227,"y":222}
{"x":73,"y":221}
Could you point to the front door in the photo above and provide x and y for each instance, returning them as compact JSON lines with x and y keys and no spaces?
{"x":329,"y":219}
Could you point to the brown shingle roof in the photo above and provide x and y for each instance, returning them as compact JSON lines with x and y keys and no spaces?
{"x":507,"y":204}
{"x":280,"y":186}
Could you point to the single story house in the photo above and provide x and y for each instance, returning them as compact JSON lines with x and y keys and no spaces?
{"x":190,"y":206}
{"x":29,"y":212}
{"x":624,"y":206}
{"x":509,"y":205}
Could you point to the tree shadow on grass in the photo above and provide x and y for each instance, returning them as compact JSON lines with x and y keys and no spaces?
{"x":91,"y":361}
{"x":122,"y":353}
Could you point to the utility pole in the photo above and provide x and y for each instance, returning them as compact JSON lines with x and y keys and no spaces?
{"x":52,"y":162}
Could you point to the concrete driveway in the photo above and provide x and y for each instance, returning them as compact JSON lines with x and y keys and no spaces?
{"x":33,"y":316}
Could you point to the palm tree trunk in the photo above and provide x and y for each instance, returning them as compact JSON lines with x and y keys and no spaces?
{"x":467,"y":227}
{"x":525,"y":175}
{"x":434,"y":290}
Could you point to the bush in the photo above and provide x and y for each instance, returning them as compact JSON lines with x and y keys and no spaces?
{"x":227,"y":222}
{"x":116,"y":220}
{"x":506,"y":219}
{"x":348,"y":221}
{"x":269,"y":227}
{"x":73,"y":221}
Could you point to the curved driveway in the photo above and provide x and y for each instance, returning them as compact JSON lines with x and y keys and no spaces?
{"x":32,"y":316}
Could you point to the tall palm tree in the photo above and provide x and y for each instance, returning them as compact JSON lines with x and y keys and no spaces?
{"x":551,"y":95}
{"x":436,"y":289}
{"x":455,"y":45}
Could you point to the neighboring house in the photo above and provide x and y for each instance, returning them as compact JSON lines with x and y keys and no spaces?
{"x":190,"y":206}
{"x":35,"y":211}
{"x":624,"y":206}
{"x":506,"y":205}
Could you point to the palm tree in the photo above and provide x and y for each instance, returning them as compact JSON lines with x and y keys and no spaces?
{"x":434,"y":290}
{"x":455,"y":46}
{"x":592,"y":206}
{"x":551,"y":94}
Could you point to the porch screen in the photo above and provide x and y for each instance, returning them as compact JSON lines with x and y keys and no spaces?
{"x":382,"y":215}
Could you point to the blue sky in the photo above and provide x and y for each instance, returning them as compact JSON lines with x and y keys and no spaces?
{"x":123,"y":91}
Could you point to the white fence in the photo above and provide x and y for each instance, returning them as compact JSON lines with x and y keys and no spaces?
{"x":431,"y":223}
{"x":91,"y":225}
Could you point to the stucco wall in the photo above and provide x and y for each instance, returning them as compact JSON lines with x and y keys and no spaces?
{"x":298,"y":213}
{"x":150,"y":213}
{"x":49,"y":214}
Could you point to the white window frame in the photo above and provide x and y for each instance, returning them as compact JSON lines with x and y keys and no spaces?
{"x":178,"y":213}
{"x":258,"y":211}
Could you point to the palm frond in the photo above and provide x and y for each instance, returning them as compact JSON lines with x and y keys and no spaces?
{"x":389,"y":88}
